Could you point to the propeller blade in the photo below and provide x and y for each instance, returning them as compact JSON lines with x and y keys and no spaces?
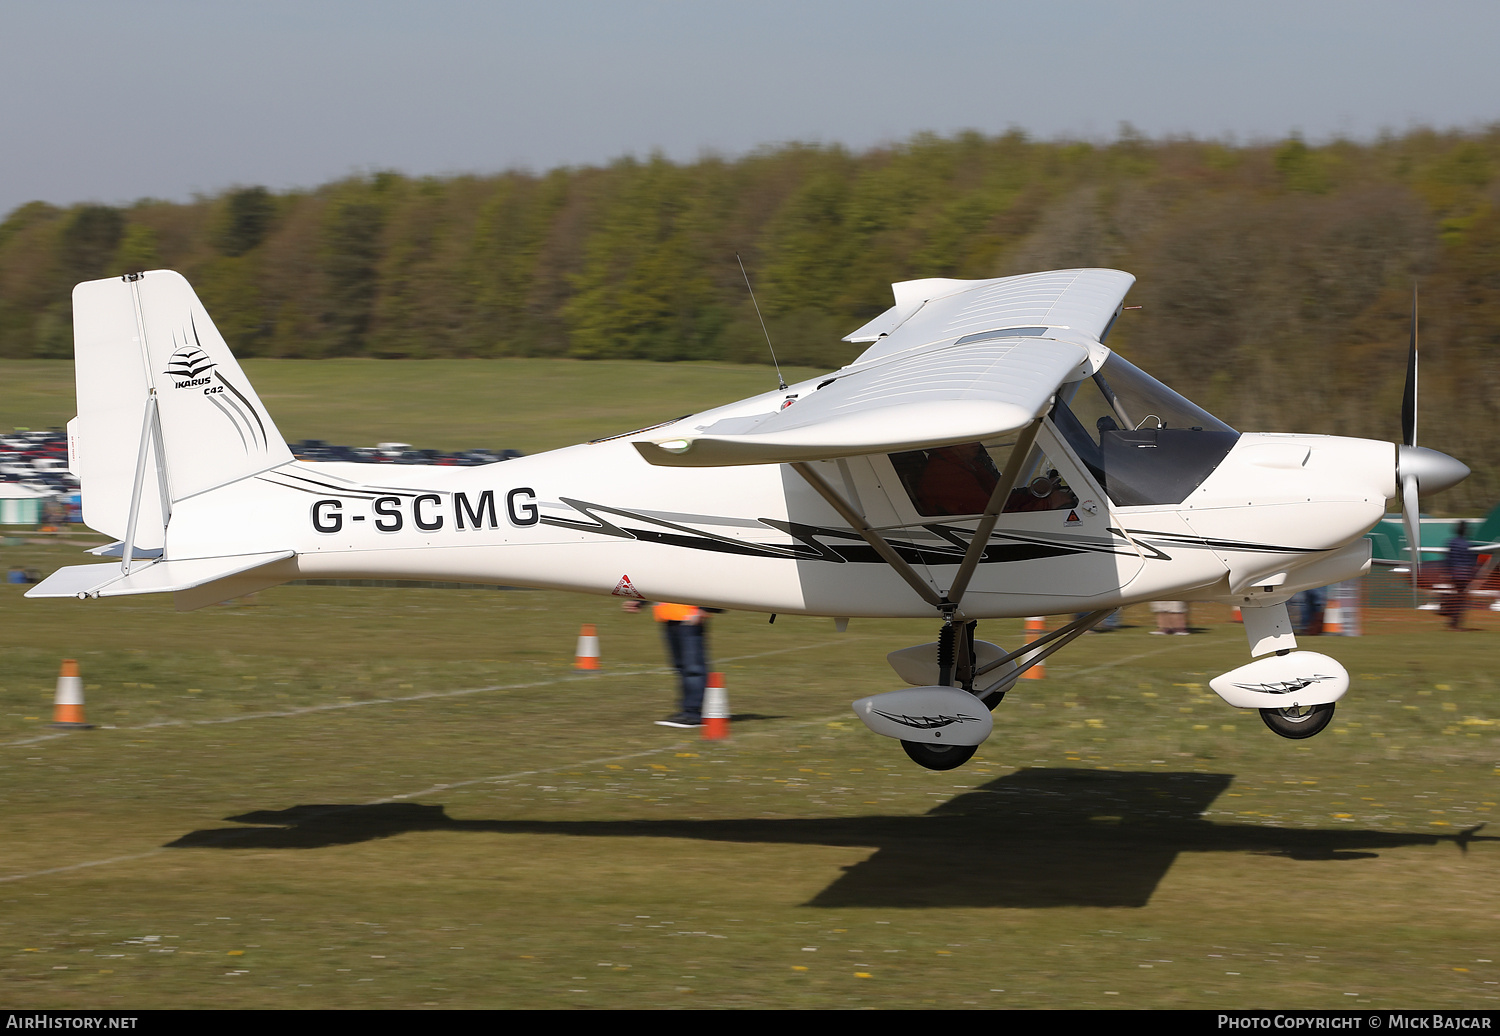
{"x":1411,"y":519}
{"x":1409,"y":396}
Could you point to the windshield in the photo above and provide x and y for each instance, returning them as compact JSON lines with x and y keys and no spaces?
{"x":1144,"y":442}
{"x":1131,"y":398}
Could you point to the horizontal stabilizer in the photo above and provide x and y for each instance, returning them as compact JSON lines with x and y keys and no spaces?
{"x":117,"y":550}
{"x":156,"y":577}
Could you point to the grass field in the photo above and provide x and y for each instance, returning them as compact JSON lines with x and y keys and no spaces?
{"x":334,"y":798}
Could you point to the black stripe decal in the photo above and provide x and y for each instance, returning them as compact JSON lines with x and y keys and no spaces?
{"x":266,"y":442}
{"x":354,"y":487}
{"x":1215,"y":544}
{"x":809,"y":546}
{"x":611,"y":529}
{"x":193,"y":321}
{"x":313,"y":492}
{"x":232,"y":422}
{"x":239,"y":411}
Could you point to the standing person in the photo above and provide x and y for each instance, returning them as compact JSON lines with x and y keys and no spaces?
{"x":1171,"y":618}
{"x":684,"y":628}
{"x":1312,"y":608}
{"x":1462,"y":565}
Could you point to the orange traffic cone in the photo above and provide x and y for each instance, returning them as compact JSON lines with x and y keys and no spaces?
{"x":1236,"y":616}
{"x":67,"y":703}
{"x":586,"y":658}
{"x":1035,"y":627}
{"x":715,"y":709}
{"x":1333,"y":618}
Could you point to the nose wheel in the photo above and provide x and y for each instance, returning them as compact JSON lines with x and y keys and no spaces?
{"x":1297,"y":722}
{"x":938,"y":757}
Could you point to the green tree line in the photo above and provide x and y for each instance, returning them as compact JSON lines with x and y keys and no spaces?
{"x":1275,"y":279}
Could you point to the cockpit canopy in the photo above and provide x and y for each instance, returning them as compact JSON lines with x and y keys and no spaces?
{"x":1145,"y":443}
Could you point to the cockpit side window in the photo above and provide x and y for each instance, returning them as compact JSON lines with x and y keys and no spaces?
{"x":958,"y":480}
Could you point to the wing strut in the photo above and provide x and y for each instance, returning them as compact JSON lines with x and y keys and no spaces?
{"x":1013,"y":467}
{"x":873,"y":538}
{"x":948,"y":603}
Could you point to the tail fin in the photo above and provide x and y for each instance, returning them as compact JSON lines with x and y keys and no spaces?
{"x":164,"y":411}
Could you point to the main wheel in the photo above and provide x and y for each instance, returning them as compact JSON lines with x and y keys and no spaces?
{"x":1298,"y":722}
{"x":938,"y":757}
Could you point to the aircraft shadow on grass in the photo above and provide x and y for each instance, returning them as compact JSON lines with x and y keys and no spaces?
{"x":1038,"y":837}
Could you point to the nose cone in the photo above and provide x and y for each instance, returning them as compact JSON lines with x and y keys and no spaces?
{"x":1433,"y":471}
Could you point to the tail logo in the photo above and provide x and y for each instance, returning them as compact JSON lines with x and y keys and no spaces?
{"x":191,"y":367}
{"x":187,"y":367}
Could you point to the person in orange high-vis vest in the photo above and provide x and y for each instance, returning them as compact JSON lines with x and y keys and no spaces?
{"x":684,"y":629}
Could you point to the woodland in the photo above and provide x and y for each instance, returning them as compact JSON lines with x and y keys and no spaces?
{"x":1274,"y":279}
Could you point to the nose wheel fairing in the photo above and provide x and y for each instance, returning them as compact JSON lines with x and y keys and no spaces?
{"x":1296,"y":679}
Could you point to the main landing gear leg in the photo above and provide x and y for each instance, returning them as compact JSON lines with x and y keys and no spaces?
{"x":955,"y":669}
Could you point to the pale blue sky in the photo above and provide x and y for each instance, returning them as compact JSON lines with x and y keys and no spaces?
{"x":119,"y":100}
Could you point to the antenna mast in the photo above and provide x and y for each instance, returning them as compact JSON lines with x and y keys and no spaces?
{"x":779,"y":379}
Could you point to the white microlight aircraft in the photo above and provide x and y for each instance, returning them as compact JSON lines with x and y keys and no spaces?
{"x":987,"y":456}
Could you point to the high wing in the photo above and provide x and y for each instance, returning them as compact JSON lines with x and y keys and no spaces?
{"x":953,"y":361}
